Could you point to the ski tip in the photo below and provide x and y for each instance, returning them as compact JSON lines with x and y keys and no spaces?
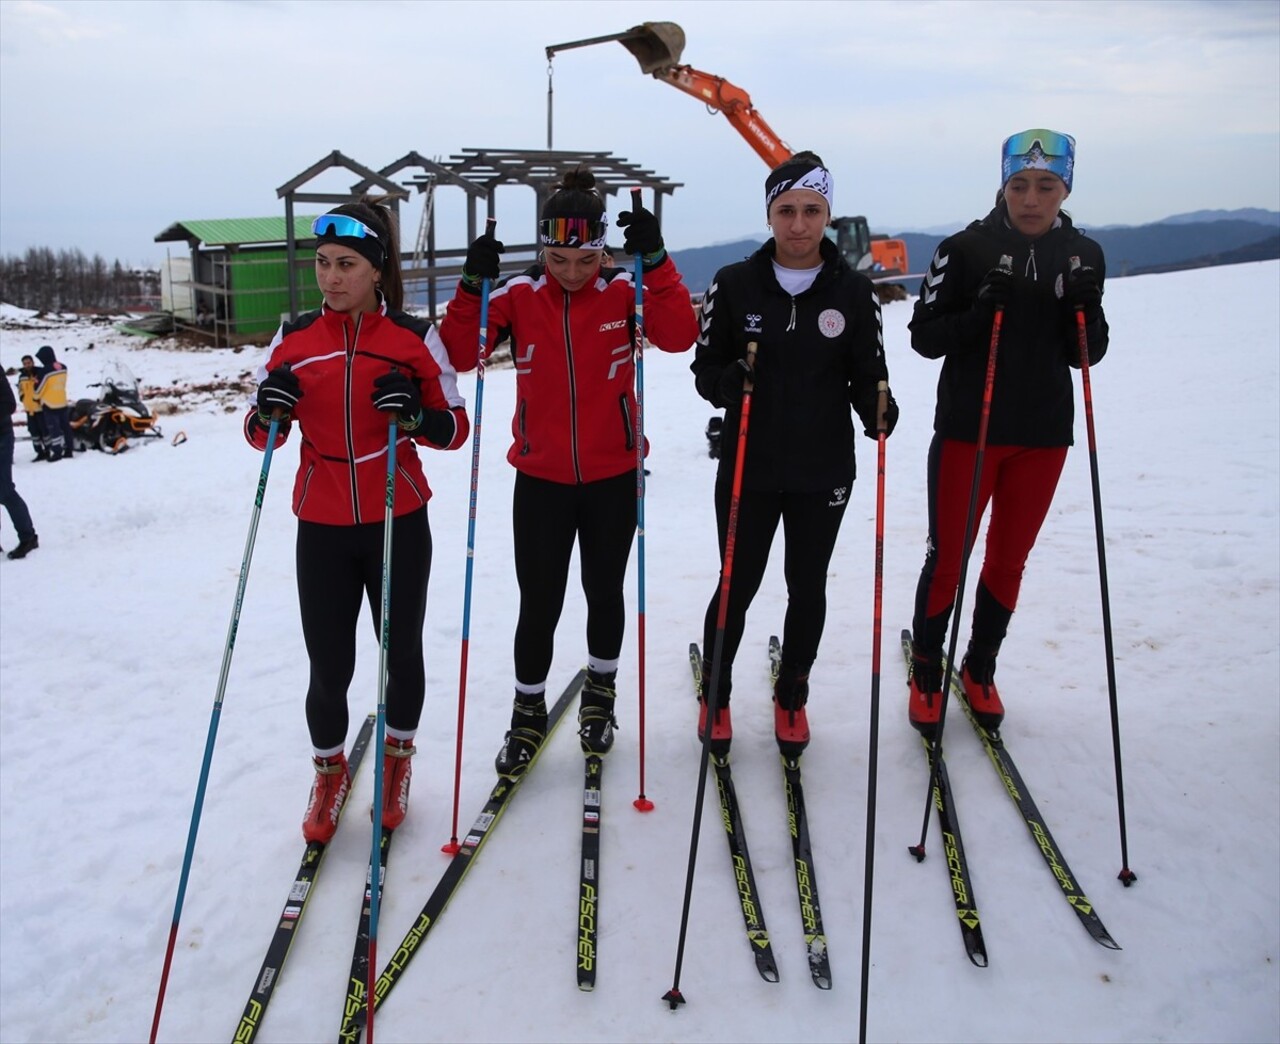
{"x":769,"y":972}
{"x":1127,"y":877}
{"x":673,"y":997}
{"x":643,"y":804}
{"x":979,"y":958}
{"x":917,"y":851}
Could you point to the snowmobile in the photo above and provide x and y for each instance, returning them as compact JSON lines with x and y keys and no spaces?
{"x":109,"y":422}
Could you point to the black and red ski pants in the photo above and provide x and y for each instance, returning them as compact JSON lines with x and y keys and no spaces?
{"x":1018,"y":482}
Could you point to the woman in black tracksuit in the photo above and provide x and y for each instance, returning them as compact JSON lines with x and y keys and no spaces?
{"x":1055,"y":269}
{"x":820,"y":351}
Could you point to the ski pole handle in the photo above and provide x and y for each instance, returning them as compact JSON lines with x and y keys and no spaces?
{"x":749,"y":382}
{"x":882,"y":407}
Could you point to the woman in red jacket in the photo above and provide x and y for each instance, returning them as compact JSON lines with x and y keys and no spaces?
{"x":571,"y":324}
{"x":339,"y":372}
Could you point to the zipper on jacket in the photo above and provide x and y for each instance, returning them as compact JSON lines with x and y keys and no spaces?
{"x":573,"y":395}
{"x":350,"y":348}
{"x":1031,"y":270}
{"x":628,"y":428}
{"x":791,"y":324}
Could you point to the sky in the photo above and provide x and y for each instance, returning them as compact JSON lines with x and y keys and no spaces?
{"x":105,"y":706}
{"x":119,"y":118}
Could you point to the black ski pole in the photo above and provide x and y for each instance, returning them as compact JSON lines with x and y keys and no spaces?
{"x":874,"y":742}
{"x":1126,"y":875}
{"x":673,"y":996}
{"x":1006,"y":263}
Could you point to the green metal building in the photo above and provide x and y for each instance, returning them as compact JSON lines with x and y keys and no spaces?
{"x":236,"y":286}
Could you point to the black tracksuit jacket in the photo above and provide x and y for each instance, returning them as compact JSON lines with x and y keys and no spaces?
{"x":1032,"y":401}
{"x":818,"y":353}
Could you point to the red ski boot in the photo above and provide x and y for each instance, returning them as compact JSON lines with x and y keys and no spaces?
{"x":924,"y":702}
{"x":396,"y":773}
{"x":979,"y":677}
{"x":328,"y":794}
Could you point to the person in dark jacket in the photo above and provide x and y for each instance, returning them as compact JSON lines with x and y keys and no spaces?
{"x":820,"y":359}
{"x":9,"y":495}
{"x":1052,"y":270}
{"x":571,"y":321}
{"x":342,"y":373}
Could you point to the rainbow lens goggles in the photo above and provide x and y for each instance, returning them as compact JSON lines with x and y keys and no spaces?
{"x":584,"y":233}
{"x":342,"y":225}
{"x":1038,"y":149}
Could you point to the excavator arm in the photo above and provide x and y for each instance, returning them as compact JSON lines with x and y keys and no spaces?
{"x":734,"y":103}
{"x":657,"y":46}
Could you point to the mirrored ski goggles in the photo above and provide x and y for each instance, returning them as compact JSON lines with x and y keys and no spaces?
{"x":1038,"y":149}
{"x":583,"y":233}
{"x":342,"y":225}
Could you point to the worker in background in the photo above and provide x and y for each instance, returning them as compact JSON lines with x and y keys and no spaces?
{"x":51,"y":394}
{"x":27,"y":380}
{"x":1032,"y":403}
{"x":820,"y":359}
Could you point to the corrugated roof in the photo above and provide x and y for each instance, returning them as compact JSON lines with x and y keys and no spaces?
{"x":228,"y":231}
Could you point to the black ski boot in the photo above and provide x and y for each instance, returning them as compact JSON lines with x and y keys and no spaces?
{"x":595,"y":713}
{"x":524,"y":739}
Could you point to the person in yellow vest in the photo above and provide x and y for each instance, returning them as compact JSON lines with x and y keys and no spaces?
{"x":51,"y":392}
{"x":27,"y":378}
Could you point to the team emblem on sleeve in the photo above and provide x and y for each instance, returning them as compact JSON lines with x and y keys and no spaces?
{"x":831,"y":322}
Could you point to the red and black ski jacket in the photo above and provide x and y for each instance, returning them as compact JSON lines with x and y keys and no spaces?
{"x":818,"y":354}
{"x":575,"y":362}
{"x":342,"y":470}
{"x":1032,"y":402}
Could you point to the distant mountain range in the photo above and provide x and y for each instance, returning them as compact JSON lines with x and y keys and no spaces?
{"x":1198,"y":239}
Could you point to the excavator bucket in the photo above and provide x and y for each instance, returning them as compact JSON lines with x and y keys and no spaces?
{"x":656,"y":45}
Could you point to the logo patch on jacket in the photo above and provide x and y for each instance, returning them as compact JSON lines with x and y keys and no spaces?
{"x":618,"y":325}
{"x":839,"y":497}
{"x":831,"y":322}
{"x":753,"y":324}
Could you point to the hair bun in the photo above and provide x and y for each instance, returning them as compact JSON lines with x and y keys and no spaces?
{"x":580,"y":178}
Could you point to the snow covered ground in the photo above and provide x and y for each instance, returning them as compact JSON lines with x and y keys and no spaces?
{"x":111,"y":636}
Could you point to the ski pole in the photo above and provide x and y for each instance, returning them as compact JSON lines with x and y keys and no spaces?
{"x":882,"y":407}
{"x":451,"y":847}
{"x":641,"y":802}
{"x":1126,"y":875}
{"x":1006,"y":263}
{"x":673,"y":996}
{"x":375,"y":856}
{"x":272,"y":431}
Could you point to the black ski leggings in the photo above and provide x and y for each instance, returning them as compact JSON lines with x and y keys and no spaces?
{"x":810,"y":525}
{"x":547,"y":517}
{"x":338,"y":566}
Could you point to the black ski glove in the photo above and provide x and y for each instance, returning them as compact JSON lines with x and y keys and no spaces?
{"x":995,"y":289}
{"x":281,"y":391}
{"x":438,"y":427}
{"x":642,"y":236}
{"x":483,"y":256}
{"x":1081,"y":290}
{"x":731,"y":385}
{"x":394,"y":392}
{"x":867,"y":406}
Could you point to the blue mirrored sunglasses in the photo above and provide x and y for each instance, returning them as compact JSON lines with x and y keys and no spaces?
{"x":342,"y":225}
{"x":1048,"y":143}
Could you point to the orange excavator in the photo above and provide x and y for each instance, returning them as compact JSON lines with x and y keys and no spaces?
{"x":657,"y":46}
